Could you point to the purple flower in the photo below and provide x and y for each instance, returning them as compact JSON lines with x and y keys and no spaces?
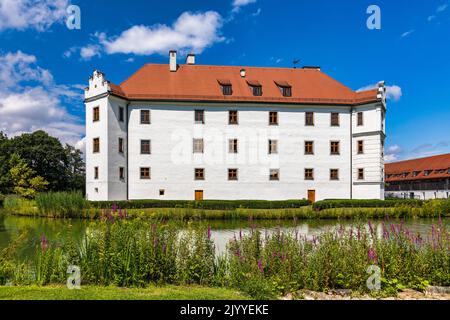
{"x":44,"y":243}
{"x":209,"y":232}
{"x":371,"y":227}
{"x":114,"y":207}
{"x":372,"y":255}
{"x":260,"y":266}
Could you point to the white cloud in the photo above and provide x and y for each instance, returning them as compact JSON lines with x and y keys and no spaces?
{"x":30,"y":100}
{"x":35,"y":14}
{"x":191,"y":32}
{"x":407,"y":33}
{"x":89,"y":52}
{"x":393,"y":92}
{"x":431,"y":18}
{"x":442,"y":8}
{"x":392,"y":153}
{"x":237,"y":4}
{"x":257,"y":12}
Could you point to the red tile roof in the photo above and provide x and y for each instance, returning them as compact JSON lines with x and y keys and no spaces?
{"x":437,"y":167}
{"x":201,"y":83}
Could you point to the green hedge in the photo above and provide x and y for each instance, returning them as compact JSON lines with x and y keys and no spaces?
{"x":206,"y":204}
{"x":347,"y":203}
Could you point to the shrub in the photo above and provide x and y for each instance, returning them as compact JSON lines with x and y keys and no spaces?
{"x":206,"y":204}
{"x":347,"y":203}
{"x":61,"y":204}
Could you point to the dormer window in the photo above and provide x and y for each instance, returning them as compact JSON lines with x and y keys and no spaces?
{"x":415,"y":173}
{"x":227,"y":88}
{"x":427,"y":173}
{"x":285,"y":88}
{"x":448,"y":171}
{"x":256,"y":87}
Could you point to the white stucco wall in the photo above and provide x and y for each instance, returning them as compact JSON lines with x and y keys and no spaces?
{"x":172,"y":161}
{"x":418,"y":194}
{"x":372,"y":159}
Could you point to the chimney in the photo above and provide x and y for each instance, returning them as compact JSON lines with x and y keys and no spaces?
{"x":243,"y":73}
{"x":190,"y":59}
{"x":173,"y":60}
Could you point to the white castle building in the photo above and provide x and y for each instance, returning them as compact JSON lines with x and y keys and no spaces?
{"x":185,"y":132}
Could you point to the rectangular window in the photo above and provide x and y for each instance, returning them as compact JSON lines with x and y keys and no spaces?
{"x":198,"y":145}
{"x":309,"y":174}
{"x":199,"y":174}
{"x":121,"y":114}
{"x":227,"y":90}
{"x":232,"y":174}
{"x":96,"y":114}
{"x":286,"y":91}
{"x":145,"y":173}
{"x":309,"y":118}
{"x":96,"y":173}
{"x":360,"y":147}
{"x":233,"y":117}
{"x":334,"y":174}
{"x":233,"y":146}
{"x":146,"y":147}
{"x":273,"y":146}
{"x":274,"y":175}
{"x":360,"y":119}
{"x":96,"y":145}
{"x":360,"y":174}
{"x":145,"y":116}
{"x":257,"y":91}
{"x":273,"y":118}
{"x":335,"y":147}
{"x":162,"y":192}
{"x":200,"y":116}
{"x":309,"y":147}
{"x":335,"y":119}
{"x":121,"y":148}
{"x":122,"y":173}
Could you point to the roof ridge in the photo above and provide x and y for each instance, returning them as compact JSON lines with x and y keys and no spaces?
{"x":422,"y":158}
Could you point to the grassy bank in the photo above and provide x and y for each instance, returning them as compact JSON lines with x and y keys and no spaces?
{"x":73,"y":205}
{"x":114,"y":293}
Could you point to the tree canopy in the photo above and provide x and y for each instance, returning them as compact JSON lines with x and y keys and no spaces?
{"x":60,"y":165}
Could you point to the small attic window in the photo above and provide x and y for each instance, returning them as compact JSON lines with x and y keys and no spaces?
{"x":256,"y":87}
{"x":227,"y":88}
{"x":285,"y":88}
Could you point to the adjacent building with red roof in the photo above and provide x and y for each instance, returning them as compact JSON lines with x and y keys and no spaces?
{"x":188,"y":131}
{"x":424,"y":178}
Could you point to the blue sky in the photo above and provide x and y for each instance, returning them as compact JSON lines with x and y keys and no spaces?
{"x":44,"y":65}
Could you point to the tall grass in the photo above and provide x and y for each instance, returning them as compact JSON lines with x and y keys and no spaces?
{"x":135,"y":253}
{"x":284,"y":262}
{"x":61,"y":204}
{"x":18,"y":205}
